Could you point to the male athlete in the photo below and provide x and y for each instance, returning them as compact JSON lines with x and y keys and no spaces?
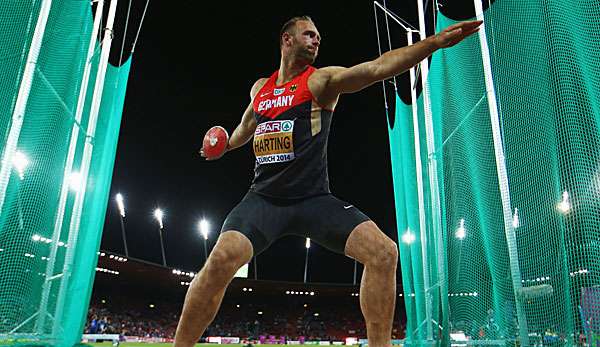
{"x":289,"y":117}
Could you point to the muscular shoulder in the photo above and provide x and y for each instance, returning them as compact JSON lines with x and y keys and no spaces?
{"x":324,"y":74}
{"x":330,"y":70}
{"x":257,"y":86}
{"x":319,"y":85}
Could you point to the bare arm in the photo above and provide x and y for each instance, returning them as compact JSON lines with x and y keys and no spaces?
{"x":245,"y":129}
{"x":349,"y":80}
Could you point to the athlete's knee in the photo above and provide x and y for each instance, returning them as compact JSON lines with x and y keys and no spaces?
{"x":369,"y":245}
{"x":382,"y":252}
{"x":386,"y":254}
{"x":232,"y":251}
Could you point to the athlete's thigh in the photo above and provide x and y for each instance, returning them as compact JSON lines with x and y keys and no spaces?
{"x":257,"y":219}
{"x":330,"y":221}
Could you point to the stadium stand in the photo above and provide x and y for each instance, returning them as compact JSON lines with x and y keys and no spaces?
{"x":134,"y":298}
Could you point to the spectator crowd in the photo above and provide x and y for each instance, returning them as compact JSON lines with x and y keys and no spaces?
{"x":291,"y":321}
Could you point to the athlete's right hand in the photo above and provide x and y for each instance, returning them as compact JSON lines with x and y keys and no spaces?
{"x":201,"y":151}
{"x":215,"y":143}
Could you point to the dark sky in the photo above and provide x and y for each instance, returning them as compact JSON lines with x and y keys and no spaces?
{"x":193,"y":68}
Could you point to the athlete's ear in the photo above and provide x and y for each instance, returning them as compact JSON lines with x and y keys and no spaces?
{"x":286,"y":38}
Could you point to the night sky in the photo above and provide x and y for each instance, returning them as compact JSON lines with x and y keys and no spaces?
{"x":193,"y":68}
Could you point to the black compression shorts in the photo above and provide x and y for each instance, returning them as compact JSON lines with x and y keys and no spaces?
{"x":323,"y":218}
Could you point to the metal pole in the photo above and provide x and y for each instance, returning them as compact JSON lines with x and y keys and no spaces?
{"x":430,"y":147}
{"x":162,"y":247}
{"x":58,"y":224}
{"x":306,"y":265}
{"x":22,"y":98}
{"x":124,"y":237}
{"x":437,"y":239}
{"x":355,"y":267}
{"x":205,"y":252}
{"x":393,"y":16}
{"x":509,"y":230}
{"x":74,"y":225}
{"x":255,"y":269}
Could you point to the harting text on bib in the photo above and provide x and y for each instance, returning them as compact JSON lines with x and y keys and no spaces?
{"x":274,"y":141}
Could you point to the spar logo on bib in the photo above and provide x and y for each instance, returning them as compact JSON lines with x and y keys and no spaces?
{"x":274,"y":141}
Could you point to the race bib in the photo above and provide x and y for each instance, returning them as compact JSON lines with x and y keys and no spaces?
{"x":274,"y":141}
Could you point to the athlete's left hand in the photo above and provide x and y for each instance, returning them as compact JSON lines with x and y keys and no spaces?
{"x":456,"y":33}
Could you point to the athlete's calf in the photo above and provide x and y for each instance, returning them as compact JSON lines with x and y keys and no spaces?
{"x":379,"y":254}
{"x":206,"y":291}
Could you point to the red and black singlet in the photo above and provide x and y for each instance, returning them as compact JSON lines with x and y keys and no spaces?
{"x":290,"y":141}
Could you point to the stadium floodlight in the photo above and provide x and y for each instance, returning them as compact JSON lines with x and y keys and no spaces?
{"x":204,"y":228}
{"x":316,"y":314}
{"x":461,"y":232}
{"x":564,"y":205}
{"x":260,"y":312}
{"x":120,"y":204}
{"x":408,"y":237}
{"x":20,"y":162}
{"x":75,"y":181}
{"x":307,"y":245}
{"x":158,"y":215}
{"x":515,"y":222}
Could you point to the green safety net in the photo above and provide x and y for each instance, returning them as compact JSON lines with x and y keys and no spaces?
{"x":48,"y":240}
{"x":506,"y":262}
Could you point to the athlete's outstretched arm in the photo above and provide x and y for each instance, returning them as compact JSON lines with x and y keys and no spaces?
{"x":349,"y":80}
{"x":245,"y":130}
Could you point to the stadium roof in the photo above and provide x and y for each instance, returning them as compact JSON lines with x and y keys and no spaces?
{"x":117,"y":273}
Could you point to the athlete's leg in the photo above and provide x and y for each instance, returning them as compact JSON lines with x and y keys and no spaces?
{"x":379,"y":254}
{"x":205,"y":293}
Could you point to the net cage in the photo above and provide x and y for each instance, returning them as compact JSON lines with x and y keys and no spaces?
{"x":500,"y":234}
{"x":57,"y":160}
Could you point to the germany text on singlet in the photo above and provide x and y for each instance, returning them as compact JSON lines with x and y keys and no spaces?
{"x":290,"y":141}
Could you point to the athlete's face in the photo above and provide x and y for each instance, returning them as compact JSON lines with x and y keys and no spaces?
{"x":306,"y":41}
